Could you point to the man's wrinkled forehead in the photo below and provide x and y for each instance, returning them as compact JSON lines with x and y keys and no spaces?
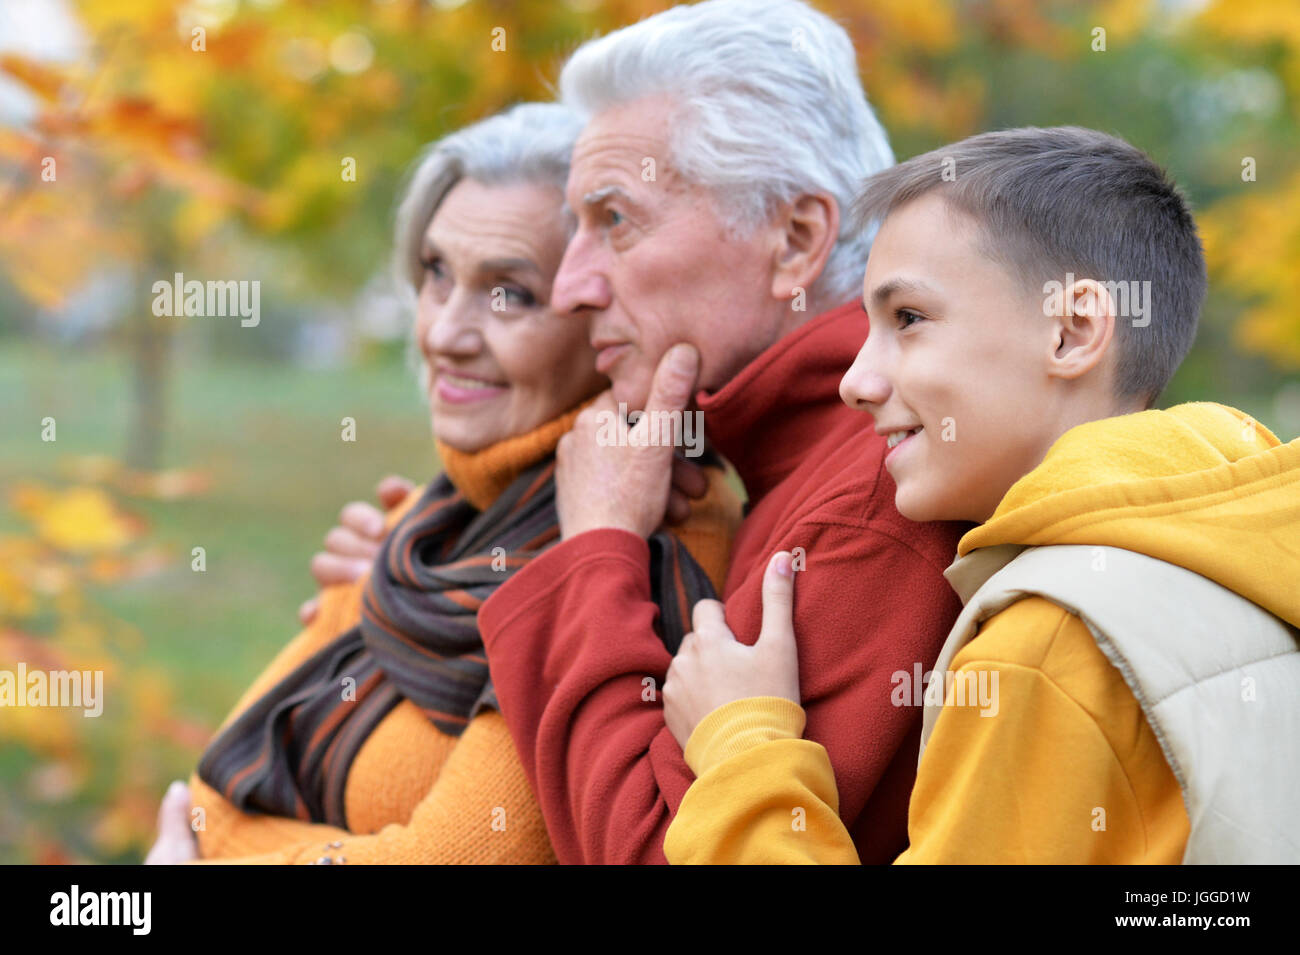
{"x":624,"y":146}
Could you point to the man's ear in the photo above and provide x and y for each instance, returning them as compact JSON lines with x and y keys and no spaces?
{"x":808,"y":228}
{"x":1084,"y":328}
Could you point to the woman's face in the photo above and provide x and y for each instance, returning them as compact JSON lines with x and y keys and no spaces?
{"x":500,"y":362}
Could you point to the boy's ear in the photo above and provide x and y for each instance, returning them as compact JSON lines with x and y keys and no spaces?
{"x":1085,"y":325}
{"x":808,"y":228}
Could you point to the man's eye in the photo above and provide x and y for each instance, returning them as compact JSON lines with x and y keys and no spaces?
{"x":615,"y":217}
{"x":434,"y":267}
{"x":906,"y":317}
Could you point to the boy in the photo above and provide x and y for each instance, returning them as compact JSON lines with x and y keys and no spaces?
{"x":1121,"y":686}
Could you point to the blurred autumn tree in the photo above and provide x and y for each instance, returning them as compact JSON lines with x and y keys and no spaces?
{"x":90,"y":781}
{"x":213,"y":138}
{"x":195,"y":136}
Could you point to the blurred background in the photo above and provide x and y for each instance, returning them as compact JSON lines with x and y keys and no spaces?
{"x":213,"y":138}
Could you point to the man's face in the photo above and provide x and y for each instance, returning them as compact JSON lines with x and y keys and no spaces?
{"x":651,"y":264}
{"x":959,"y":350}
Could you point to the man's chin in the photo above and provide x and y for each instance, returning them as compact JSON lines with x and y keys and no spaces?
{"x":633,"y":394}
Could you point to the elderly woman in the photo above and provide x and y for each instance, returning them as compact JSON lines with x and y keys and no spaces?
{"x":374,"y":736}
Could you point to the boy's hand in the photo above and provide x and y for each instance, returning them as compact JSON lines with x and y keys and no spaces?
{"x":711,"y":668}
{"x":351,"y":546}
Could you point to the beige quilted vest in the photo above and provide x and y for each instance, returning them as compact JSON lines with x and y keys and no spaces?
{"x":1217,"y":677}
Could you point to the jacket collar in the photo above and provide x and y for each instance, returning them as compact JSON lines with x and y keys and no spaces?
{"x":765,"y":419}
{"x":968,"y":574}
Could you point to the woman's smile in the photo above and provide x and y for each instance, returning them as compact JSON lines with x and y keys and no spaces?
{"x":458,"y":387}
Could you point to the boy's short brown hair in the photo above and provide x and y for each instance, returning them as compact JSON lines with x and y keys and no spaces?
{"x":1067,"y":200}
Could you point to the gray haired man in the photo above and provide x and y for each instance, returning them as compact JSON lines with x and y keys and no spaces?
{"x":716,"y":272}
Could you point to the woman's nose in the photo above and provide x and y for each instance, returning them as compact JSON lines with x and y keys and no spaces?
{"x":451,"y":327}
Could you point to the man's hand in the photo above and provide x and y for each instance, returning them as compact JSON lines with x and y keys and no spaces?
{"x":711,"y":668}
{"x":350,"y":548}
{"x":612,"y":475}
{"x":176,"y":842}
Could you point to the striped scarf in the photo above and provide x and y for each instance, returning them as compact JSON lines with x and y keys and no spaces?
{"x":289,"y":753}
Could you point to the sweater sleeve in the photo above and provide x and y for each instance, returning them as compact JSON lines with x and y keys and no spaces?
{"x":763,"y":796}
{"x":225,"y":829}
{"x":577,"y":666}
{"x":1025,"y":773}
{"x":1022,"y":775}
{"x":480,"y":811}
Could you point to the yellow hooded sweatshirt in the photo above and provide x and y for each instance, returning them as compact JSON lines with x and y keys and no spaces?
{"x":1070,"y":771}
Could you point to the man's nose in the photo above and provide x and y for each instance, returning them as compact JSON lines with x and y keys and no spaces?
{"x":580,"y":283}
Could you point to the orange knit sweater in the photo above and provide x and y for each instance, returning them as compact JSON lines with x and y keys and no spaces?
{"x":415,"y":794}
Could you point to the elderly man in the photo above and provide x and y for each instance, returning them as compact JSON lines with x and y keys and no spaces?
{"x":722,"y":142}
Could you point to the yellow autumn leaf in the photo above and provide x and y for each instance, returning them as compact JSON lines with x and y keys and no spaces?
{"x":83,"y":521}
{"x":16,"y":598}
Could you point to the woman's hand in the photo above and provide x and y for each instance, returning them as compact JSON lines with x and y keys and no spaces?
{"x":176,"y":842}
{"x":711,"y":668}
{"x":350,"y":548}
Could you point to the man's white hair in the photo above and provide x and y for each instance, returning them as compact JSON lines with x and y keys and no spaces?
{"x":769,"y":106}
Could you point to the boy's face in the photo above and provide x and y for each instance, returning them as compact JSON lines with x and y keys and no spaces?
{"x":959,"y":350}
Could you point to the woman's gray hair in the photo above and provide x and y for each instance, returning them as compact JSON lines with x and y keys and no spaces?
{"x":770,"y":106}
{"x":529,"y":143}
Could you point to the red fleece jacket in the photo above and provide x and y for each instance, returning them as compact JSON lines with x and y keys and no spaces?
{"x":570,"y":638}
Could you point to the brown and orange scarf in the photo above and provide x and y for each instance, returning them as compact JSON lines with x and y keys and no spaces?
{"x":289,"y":753}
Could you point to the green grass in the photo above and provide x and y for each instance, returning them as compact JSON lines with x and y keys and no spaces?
{"x":270,"y":438}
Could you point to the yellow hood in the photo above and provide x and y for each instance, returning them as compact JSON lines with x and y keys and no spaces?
{"x":1199,"y":485}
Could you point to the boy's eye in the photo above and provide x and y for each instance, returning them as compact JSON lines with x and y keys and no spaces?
{"x":517,"y":295}
{"x":906,"y":317}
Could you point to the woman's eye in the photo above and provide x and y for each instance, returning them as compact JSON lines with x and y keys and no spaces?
{"x":906,"y":317}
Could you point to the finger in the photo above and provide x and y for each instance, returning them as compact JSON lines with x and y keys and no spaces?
{"x":591,"y":420}
{"x":345,"y":542}
{"x":689,"y":478}
{"x":392,"y":490}
{"x":778,"y":602}
{"x":590,"y":417}
{"x":366,"y":519}
{"x":330,"y":569}
{"x":173,"y":814}
{"x":307,"y":612}
{"x":679,"y":508}
{"x":674,"y":380}
{"x":708,"y":616}
{"x":604,"y":402}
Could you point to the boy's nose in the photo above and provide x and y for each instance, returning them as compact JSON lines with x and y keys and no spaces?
{"x":579,"y":284}
{"x":863,"y":388}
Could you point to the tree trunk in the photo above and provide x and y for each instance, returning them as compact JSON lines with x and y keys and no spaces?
{"x":150,"y":344}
